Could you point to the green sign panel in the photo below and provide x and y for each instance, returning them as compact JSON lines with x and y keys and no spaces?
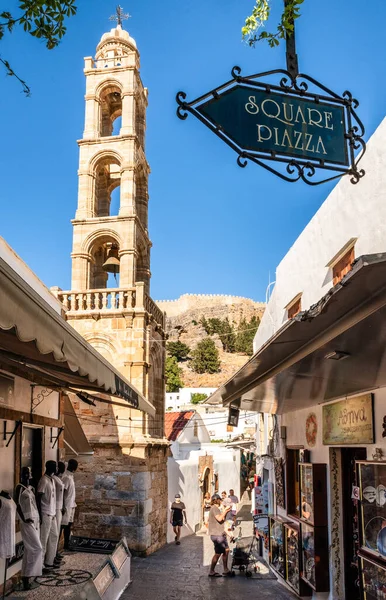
{"x":264,"y":121}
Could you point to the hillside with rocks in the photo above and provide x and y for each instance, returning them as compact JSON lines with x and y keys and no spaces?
{"x":185,"y":322}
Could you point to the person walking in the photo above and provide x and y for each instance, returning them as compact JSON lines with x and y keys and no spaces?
{"x":46,"y":504}
{"x":69,"y":503}
{"x":235,"y":501}
{"x":177,"y":517}
{"x":206,"y":509}
{"x":218,"y":536}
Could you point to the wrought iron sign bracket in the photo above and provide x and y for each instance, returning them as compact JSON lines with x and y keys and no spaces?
{"x":301,"y":87}
{"x":55,"y":438}
{"x":40,"y":397}
{"x":11,"y":433}
{"x":290,"y":156}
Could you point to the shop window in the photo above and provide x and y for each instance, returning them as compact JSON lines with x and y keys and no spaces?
{"x":343,"y":266}
{"x":292,"y":482}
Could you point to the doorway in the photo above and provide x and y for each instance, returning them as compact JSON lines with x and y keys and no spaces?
{"x":32,"y":452}
{"x":350,"y":521}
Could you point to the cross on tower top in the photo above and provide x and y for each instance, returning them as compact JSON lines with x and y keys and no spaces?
{"x":120,"y":15}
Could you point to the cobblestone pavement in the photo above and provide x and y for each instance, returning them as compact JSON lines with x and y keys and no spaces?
{"x":181,"y":573}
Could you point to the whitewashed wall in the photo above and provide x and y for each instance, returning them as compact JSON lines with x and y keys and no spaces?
{"x":350,"y":211}
{"x":183,"y":478}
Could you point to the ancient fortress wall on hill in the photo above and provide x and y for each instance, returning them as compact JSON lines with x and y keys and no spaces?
{"x":188,"y":302}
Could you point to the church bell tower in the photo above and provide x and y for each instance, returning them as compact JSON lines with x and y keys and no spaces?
{"x":109,"y":302}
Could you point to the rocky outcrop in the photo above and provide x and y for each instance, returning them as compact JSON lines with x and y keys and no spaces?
{"x":183,"y":318}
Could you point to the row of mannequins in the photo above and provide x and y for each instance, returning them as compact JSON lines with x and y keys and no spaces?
{"x":42,"y":516}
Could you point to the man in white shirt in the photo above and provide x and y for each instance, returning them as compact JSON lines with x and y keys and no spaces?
{"x":46,"y":503}
{"x":69,"y":503}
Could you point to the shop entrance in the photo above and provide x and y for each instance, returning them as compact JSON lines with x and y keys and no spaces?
{"x":32,"y":451}
{"x":350,"y":521}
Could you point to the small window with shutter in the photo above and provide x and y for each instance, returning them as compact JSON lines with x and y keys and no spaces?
{"x":343,"y":266}
{"x":294,"y":307}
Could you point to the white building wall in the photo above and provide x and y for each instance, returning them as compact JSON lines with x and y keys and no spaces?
{"x":183,"y":478}
{"x":178,"y":400}
{"x":187,"y":436}
{"x":350,"y":211}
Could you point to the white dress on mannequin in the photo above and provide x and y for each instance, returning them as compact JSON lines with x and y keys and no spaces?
{"x":7,"y":527}
{"x":32,"y":564}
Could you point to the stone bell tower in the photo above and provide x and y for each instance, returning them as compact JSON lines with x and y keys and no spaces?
{"x":123,"y":487}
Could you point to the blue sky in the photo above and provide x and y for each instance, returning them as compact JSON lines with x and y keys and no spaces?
{"x":215,"y":228}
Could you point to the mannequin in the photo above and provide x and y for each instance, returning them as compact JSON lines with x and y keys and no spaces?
{"x":59,"y":488}
{"x":46,"y":503}
{"x":7,"y":530}
{"x":32,"y":564}
{"x":7,"y":525}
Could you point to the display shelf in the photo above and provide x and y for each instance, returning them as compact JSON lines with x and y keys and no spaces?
{"x":277,"y":545}
{"x":373,"y":579}
{"x":315,"y":567}
{"x":372,"y":501}
{"x":313,"y":493}
{"x":293,"y":560}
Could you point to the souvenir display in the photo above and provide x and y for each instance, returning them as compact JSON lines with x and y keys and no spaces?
{"x":315,"y":569}
{"x":293,"y":560}
{"x":373,"y":580}
{"x":313,"y":493}
{"x":308,"y":547}
{"x":372,"y":496}
{"x":276,"y":545}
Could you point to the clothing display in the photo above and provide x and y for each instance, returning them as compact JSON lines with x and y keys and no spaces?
{"x":46,"y":488}
{"x":49,"y":538}
{"x":48,"y":528}
{"x":7,"y":527}
{"x":69,"y":497}
{"x":59,"y":490}
{"x":32,"y":563}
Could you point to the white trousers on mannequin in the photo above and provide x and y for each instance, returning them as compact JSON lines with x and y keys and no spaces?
{"x":49,"y":538}
{"x":32,"y":564}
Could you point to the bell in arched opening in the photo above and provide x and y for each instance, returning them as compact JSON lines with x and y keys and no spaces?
{"x":111,"y":264}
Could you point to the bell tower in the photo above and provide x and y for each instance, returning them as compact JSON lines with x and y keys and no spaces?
{"x":109,"y":302}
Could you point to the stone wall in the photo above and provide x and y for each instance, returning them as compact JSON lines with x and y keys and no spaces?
{"x":186,"y":302}
{"x":123,"y":491}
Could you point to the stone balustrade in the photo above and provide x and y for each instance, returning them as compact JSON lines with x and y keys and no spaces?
{"x":152,"y":309}
{"x":109,"y":300}
{"x":98,"y":300}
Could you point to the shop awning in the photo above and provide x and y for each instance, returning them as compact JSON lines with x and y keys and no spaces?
{"x":74,"y":437}
{"x":37,"y":343}
{"x":334,"y":349}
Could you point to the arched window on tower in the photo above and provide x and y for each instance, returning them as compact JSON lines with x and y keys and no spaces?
{"x":107,"y":187}
{"x":104,"y":264}
{"x":110,"y":111}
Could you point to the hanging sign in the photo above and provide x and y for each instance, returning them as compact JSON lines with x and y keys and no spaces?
{"x":297,"y":123}
{"x":349,"y":421}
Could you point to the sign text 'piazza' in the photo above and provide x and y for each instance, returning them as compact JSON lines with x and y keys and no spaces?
{"x":296,"y":128}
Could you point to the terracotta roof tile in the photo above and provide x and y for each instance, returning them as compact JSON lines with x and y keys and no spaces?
{"x":175,"y":422}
